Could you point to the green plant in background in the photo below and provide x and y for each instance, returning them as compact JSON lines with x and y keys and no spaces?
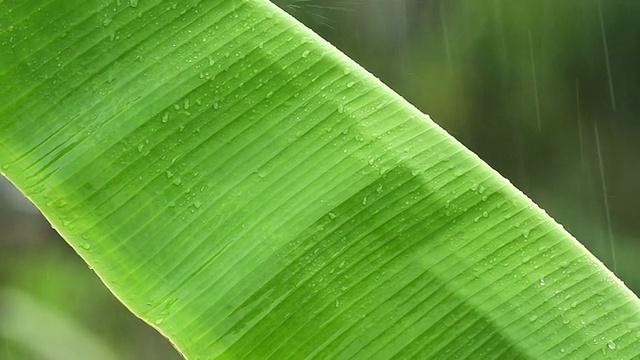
{"x":22,"y":322}
{"x":251,"y":192}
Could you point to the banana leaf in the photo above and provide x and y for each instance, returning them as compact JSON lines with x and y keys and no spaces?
{"x":251,"y":192}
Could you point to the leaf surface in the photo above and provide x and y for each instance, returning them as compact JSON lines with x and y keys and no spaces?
{"x":251,"y":192}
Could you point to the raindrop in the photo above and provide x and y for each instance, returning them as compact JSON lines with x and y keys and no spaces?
{"x":340,"y":108}
{"x":269,"y":94}
{"x":332,"y":216}
{"x":485,"y":214}
{"x":574,"y":304}
{"x":159,"y":321}
{"x":86,"y":246}
{"x":165,"y":117}
{"x":305,"y":53}
{"x":177,"y":181}
{"x":542,"y":283}
{"x":262,"y":173}
{"x":350,"y":84}
{"x":384,"y":170}
{"x":533,"y":318}
{"x":611,"y":345}
{"x":364,"y":201}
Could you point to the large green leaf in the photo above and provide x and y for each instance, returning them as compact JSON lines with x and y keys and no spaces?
{"x":251,"y":192}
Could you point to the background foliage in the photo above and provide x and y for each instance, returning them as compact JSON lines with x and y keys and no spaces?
{"x":544,"y":91}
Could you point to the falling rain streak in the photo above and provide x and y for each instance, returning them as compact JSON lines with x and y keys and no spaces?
{"x":606,"y":57}
{"x":322,"y":13}
{"x":445,"y":34}
{"x":535,"y":82}
{"x":606,"y":200}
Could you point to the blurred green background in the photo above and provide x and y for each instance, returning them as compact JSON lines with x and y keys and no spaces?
{"x":546,"y":92}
